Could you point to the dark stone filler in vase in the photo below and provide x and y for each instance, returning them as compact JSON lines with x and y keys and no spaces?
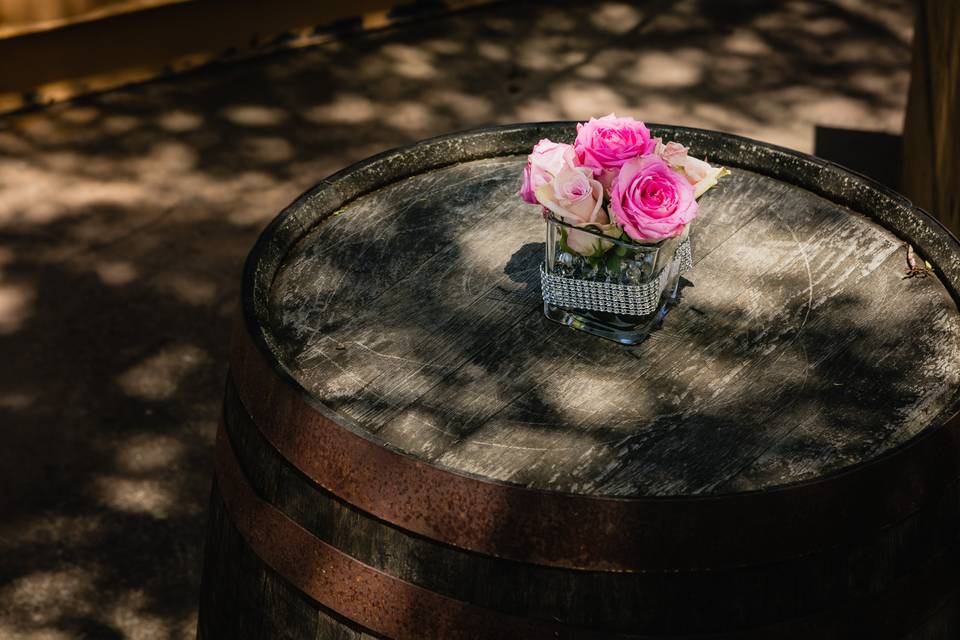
{"x":653,"y":269}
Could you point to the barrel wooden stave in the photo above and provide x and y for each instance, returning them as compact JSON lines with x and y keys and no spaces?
{"x":615,"y":602}
{"x":886,"y":569}
{"x":242,"y":597}
{"x":275,"y":609}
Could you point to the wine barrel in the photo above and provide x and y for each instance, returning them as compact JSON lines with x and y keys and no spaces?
{"x":409,"y":449}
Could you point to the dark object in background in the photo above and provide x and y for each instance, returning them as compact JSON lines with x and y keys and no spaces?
{"x":419,"y":454}
{"x":875,"y":154}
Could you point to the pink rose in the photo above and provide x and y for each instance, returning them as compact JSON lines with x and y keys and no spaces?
{"x":576,"y":198}
{"x":605,"y":144}
{"x":698,"y":172}
{"x":544,"y":162}
{"x":674,"y":153}
{"x":651,"y":201}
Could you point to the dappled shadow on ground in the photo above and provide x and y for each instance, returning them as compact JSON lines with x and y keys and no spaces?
{"x":124,"y":219}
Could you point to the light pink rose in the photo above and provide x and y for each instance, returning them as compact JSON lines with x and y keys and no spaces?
{"x":702,"y":175}
{"x":652,"y":201}
{"x":576,"y":198}
{"x":544,"y":162}
{"x":674,"y":153}
{"x":698,"y":172}
{"x":605,"y":144}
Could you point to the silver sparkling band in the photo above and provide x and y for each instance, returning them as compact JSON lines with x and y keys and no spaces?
{"x":685,"y":255}
{"x":624,"y":299}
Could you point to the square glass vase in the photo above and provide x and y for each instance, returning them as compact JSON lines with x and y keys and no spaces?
{"x":621,"y":291}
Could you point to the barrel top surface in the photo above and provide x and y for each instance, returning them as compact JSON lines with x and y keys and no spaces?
{"x":412,"y":312}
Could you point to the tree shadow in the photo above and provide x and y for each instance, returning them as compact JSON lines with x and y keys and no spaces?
{"x":126,"y":217}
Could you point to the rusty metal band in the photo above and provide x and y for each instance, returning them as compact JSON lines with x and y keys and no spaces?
{"x":380,"y":602}
{"x":386,"y":605}
{"x":580,"y":531}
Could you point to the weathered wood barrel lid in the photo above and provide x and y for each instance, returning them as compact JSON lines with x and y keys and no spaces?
{"x":393,"y":349}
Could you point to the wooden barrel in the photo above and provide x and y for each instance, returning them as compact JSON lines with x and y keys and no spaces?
{"x":409,"y":449}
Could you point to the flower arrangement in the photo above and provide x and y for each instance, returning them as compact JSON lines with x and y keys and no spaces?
{"x":618,"y":180}
{"x":616,"y":201}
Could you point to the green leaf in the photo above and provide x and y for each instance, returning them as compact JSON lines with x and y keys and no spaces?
{"x":563,"y":242}
{"x":613,"y":263}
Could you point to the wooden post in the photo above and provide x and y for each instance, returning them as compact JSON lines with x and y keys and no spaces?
{"x":931,"y":133}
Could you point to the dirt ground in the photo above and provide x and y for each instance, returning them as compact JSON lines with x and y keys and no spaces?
{"x":125,"y":218}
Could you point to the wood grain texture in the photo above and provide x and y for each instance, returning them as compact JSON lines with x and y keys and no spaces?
{"x":931,"y":131}
{"x":798,"y":348}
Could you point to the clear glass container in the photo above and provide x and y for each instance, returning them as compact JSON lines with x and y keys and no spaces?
{"x":645,"y":279}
